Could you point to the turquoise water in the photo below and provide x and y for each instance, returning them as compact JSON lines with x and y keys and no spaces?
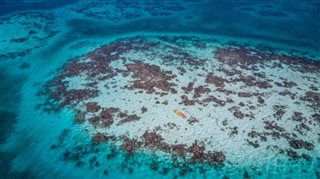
{"x":39,"y":38}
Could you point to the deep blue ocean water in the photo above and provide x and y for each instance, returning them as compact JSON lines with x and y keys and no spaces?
{"x":27,"y":134}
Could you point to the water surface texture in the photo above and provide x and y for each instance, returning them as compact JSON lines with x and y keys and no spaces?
{"x":160,"y":89}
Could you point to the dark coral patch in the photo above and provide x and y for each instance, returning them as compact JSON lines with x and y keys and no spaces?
{"x":218,"y":81}
{"x":186,"y":101}
{"x":316,"y":117}
{"x":72,"y":96}
{"x":101,"y":122}
{"x":105,"y":119}
{"x":108,"y":113}
{"x":93,"y":107}
{"x":144,"y":109}
{"x":244,"y":94}
{"x":299,"y":144}
{"x":99,"y":137}
{"x":179,"y":149}
{"x":152,"y":139}
{"x":313,"y":98}
{"x":279,"y":110}
{"x":238,"y":114}
{"x":247,"y":59}
{"x":130,"y":145}
{"x":198,"y":91}
{"x":298,"y":116}
{"x":292,"y":154}
{"x":211,"y":158}
{"x":286,"y":84}
{"x":189,"y":88}
{"x":260,"y":100}
{"x":150,"y":77}
{"x":252,"y":81}
{"x":273,"y":126}
{"x":128,"y":118}
{"x":197,"y":151}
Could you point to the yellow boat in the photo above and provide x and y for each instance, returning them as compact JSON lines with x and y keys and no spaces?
{"x":179,"y":113}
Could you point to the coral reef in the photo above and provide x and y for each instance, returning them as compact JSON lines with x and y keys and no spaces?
{"x":248,"y":95}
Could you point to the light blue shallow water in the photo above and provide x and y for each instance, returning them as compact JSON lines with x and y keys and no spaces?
{"x":42,"y":144}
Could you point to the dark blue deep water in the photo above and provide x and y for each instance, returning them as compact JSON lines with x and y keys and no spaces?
{"x":41,"y":139}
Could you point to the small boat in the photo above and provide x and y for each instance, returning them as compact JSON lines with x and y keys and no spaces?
{"x":179,"y":113}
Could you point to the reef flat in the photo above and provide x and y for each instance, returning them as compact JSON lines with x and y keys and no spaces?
{"x":243,"y":105}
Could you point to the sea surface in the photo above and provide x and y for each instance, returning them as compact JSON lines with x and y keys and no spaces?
{"x":159,"y":89}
